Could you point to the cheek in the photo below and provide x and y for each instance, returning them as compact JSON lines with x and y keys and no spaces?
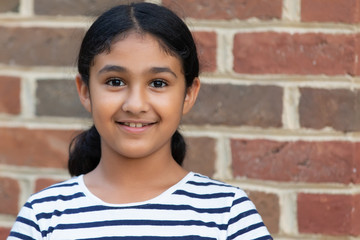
{"x":171,"y":102}
{"x":104,"y":103}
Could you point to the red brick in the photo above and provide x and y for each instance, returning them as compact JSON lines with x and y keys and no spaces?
{"x":355,"y":212}
{"x":78,"y":7}
{"x":237,"y":105}
{"x":330,"y":11}
{"x":357,"y":52}
{"x":284,"y":53}
{"x":9,"y":196}
{"x":9,"y":5}
{"x":329,"y":214}
{"x":336,"y":108}
{"x":42,"y":183}
{"x":298,"y":161}
{"x":227,"y":9}
{"x":39,"y":46}
{"x":268,"y":207}
{"x":356,"y":149}
{"x":4,"y":233}
{"x":200,"y":155}
{"x":206,"y":43}
{"x":35,"y":147}
{"x":9,"y":95}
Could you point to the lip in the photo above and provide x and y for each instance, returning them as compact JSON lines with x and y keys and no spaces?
{"x":133,"y":126}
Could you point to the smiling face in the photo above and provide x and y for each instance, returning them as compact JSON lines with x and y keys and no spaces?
{"x":136,"y":96}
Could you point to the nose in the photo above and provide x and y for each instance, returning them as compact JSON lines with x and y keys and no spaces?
{"x":136,"y":101}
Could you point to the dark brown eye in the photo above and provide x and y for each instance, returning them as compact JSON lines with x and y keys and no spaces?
{"x":158,"y":83}
{"x":115,"y":82}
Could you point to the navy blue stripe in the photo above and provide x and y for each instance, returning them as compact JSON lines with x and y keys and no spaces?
{"x":209,"y":184}
{"x":58,"y":197}
{"x":190,"y":237}
{"x":28,"y":205}
{"x":147,"y":206}
{"x":28,"y":222}
{"x":138,"y":222}
{"x":135,"y":223}
{"x":201,"y":176}
{"x":20,"y":236}
{"x":268,"y":237}
{"x":204,"y":196}
{"x":242,"y":215}
{"x":246,"y":230}
{"x":240,"y":200}
{"x":184,"y":207}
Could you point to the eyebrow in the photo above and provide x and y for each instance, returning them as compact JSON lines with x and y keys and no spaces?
{"x":161,"y":70}
{"x":117,"y":68}
{"x":112,"y":68}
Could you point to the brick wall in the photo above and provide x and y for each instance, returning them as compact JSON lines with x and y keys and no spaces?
{"x":278,"y":113}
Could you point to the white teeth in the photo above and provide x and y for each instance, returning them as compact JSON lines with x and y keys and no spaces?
{"x":134,"y":125}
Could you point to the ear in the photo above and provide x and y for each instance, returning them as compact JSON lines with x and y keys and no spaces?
{"x":84,"y":94}
{"x":191,"y":95}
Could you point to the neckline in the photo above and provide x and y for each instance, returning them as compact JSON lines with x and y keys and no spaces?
{"x":158,"y":198}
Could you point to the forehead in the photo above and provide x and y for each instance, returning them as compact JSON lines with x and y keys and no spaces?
{"x":136,"y":50}
{"x":141,"y":35}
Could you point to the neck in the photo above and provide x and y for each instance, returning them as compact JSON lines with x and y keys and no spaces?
{"x":120,"y":180}
{"x":158,"y":169}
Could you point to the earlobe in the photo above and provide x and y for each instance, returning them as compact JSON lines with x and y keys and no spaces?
{"x":84,"y":94}
{"x":191,"y":95}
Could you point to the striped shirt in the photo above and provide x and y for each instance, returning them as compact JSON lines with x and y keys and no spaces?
{"x":197,"y":207}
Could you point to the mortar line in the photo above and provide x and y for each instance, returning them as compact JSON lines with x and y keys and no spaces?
{"x":291,"y":10}
{"x":26,"y":8}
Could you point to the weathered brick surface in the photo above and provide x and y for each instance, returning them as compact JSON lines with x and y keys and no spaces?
{"x":206,"y":43}
{"x":355,"y":211}
{"x":226,"y":9}
{"x":48,"y":46}
{"x":9,"y":196}
{"x":78,"y":7}
{"x":9,"y":95}
{"x":336,"y":108}
{"x":9,"y":6}
{"x":299,"y":161}
{"x":4,"y":233}
{"x":35,"y":147}
{"x":58,"y":98}
{"x":42,"y":183}
{"x":356,"y":150}
{"x":357,"y":52}
{"x":268,"y":207}
{"x":284,"y":53}
{"x":324,"y":42}
{"x":247,"y":105}
{"x":200,"y":155}
{"x":329,"y":214}
{"x":330,"y":11}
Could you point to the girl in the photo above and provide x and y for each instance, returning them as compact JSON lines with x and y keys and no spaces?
{"x":138,"y":74}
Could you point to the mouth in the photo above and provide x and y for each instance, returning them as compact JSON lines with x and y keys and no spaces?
{"x":135,"y":125}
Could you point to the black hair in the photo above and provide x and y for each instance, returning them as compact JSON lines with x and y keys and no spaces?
{"x":173,"y":36}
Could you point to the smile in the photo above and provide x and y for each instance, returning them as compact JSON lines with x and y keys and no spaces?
{"x":135,"y":125}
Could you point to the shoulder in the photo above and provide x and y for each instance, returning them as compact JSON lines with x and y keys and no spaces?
{"x":44,"y":205}
{"x":218,"y":193}
{"x":63,"y":191}
{"x":207,"y":184}
{"x":200,"y":188}
{"x":241,"y":214}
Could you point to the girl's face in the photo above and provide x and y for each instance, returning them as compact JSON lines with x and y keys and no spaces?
{"x":137,"y":97}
